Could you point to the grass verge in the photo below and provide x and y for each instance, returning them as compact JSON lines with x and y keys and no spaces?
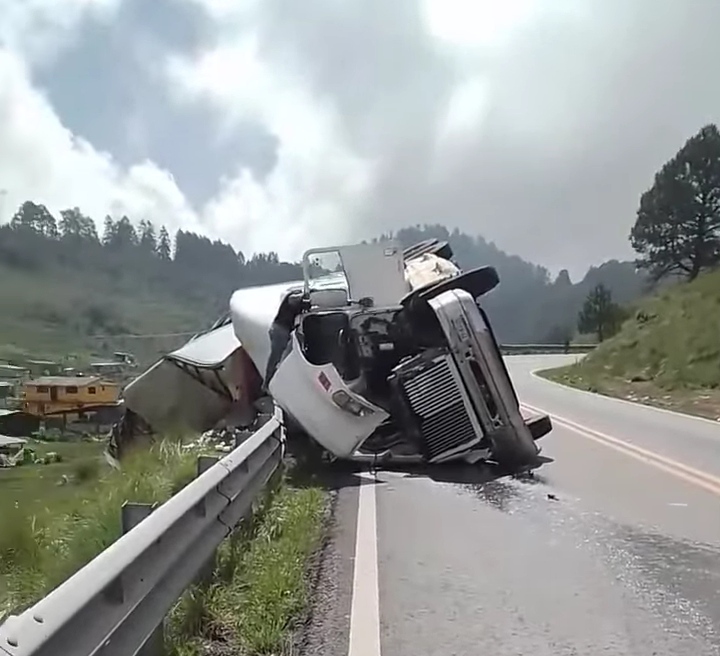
{"x":667,"y":354}
{"x":702,"y":402}
{"x":42,"y":546}
{"x":30,"y":486}
{"x":260,"y":588}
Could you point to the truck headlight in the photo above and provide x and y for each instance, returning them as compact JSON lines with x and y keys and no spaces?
{"x":345,"y":402}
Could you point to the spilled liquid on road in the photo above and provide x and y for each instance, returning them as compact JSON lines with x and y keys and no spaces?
{"x":677,"y":580}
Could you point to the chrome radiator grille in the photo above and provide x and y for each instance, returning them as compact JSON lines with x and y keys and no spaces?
{"x":439,"y":407}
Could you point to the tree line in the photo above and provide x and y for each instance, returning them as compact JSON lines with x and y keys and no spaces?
{"x":135,"y":255}
{"x":130,"y":257}
{"x":122,"y":236}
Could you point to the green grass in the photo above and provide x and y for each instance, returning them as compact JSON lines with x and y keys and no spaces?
{"x":260,"y":587}
{"x":30,"y":486}
{"x":49,"y":316}
{"x":668,"y":352}
{"x":41,"y":544}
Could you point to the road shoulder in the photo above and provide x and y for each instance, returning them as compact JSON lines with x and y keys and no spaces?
{"x":704,"y":403}
{"x":327,"y":629}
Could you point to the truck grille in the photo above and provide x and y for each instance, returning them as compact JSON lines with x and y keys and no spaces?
{"x":439,"y":408}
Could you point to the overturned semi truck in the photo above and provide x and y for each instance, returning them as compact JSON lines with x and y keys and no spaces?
{"x":389,"y":360}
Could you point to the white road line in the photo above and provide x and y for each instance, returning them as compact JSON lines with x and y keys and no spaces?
{"x":365,"y":612}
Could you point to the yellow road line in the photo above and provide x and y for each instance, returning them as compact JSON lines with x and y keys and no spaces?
{"x":691,"y":475}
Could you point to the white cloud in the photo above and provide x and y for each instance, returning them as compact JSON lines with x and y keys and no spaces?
{"x":41,"y":160}
{"x":473,"y":23}
{"x":317,"y":182}
{"x":499,"y":102}
{"x":321,"y":184}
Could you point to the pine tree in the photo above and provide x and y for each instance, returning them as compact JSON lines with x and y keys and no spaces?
{"x":164,"y":246}
{"x":677,"y":230}
{"x":599,"y":315}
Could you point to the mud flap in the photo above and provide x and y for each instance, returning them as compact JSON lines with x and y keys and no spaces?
{"x":539,"y":426}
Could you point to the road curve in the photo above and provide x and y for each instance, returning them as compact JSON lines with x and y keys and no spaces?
{"x":613,"y":548}
{"x":694,"y":441}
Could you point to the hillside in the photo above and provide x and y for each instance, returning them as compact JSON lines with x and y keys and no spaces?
{"x":667,"y":354}
{"x":528,"y":306}
{"x":65,"y":290}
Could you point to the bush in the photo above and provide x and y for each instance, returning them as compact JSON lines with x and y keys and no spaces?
{"x":86,"y":470}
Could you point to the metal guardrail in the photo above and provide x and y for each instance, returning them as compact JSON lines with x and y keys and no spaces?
{"x":115,"y":605}
{"x":517,"y":349}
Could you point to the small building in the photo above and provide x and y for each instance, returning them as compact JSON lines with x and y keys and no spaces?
{"x":12,"y":371}
{"x":125,"y":358}
{"x":14,"y":423}
{"x":44,"y":367}
{"x":109,"y":370}
{"x":11,"y":445}
{"x":52,"y":395}
{"x":7,"y":390}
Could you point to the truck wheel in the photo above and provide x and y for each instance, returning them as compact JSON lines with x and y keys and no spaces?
{"x":508,"y":454}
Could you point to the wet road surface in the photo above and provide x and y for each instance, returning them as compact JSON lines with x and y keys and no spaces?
{"x":600,"y":553}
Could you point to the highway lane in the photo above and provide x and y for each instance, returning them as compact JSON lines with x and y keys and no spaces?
{"x":601,"y":553}
{"x":694,"y":441}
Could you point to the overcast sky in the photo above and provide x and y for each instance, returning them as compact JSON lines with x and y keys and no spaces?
{"x":279,"y":124}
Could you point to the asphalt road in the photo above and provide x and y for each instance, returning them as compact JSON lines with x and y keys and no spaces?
{"x":613,"y":548}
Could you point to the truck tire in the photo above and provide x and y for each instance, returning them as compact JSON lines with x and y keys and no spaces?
{"x":510,"y":455}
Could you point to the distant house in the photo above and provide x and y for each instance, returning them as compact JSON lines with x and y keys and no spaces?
{"x":18,"y":424}
{"x":13,"y":371}
{"x":125,"y":358}
{"x":111,"y":370}
{"x":11,"y":445}
{"x":6,"y":391}
{"x":53,"y":395}
{"x":44,"y":367}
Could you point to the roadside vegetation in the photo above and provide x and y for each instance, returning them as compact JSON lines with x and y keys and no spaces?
{"x":667,"y":352}
{"x":259,"y":593}
{"x":148,"y":282}
{"x":30,"y":486}
{"x":260,"y":584}
{"x":47,"y":537}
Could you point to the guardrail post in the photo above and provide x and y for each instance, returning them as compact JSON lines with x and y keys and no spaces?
{"x":131,"y":515}
{"x":204,"y":463}
{"x":206,"y":572}
{"x":241,"y":436}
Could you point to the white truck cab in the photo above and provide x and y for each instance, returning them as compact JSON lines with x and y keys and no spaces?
{"x":394,"y":359}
